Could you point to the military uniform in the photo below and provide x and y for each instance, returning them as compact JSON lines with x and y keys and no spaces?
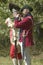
{"x":15,"y":51}
{"x":26,"y":24}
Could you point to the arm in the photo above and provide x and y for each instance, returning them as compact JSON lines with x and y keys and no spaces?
{"x":22,"y":23}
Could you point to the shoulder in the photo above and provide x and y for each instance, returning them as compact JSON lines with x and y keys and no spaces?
{"x":30,"y":17}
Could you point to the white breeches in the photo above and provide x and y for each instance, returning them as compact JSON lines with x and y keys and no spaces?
{"x":16,"y":61}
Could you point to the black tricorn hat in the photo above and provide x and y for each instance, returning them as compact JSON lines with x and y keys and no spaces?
{"x":13,"y":6}
{"x":26,"y":7}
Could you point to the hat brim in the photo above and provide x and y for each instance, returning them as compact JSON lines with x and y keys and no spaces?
{"x":13,"y":6}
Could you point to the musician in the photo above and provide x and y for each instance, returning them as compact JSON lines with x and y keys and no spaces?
{"x":15,"y":53}
{"x":15,"y":50}
{"x":26,"y":26}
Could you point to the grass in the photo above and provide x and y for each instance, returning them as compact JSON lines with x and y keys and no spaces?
{"x":36,"y":60}
{"x":5,"y":61}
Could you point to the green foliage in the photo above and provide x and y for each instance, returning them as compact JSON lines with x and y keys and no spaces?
{"x":37,"y":13}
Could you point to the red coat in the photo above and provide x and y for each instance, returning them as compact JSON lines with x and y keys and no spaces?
{"x":27,"y":25}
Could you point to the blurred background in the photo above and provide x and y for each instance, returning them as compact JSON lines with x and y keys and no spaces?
{"x":37,"y":49}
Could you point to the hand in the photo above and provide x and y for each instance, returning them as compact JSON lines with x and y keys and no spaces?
{"x":21,"y":18}
{"x":17,"y":15}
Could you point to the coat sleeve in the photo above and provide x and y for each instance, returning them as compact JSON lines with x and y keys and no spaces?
{"x":21,"y":24}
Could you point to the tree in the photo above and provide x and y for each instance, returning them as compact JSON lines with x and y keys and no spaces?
{"x":37,"y":6}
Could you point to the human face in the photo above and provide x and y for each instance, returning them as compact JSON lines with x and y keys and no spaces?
{"x":15,"y":14}
{"x":25,"y":11}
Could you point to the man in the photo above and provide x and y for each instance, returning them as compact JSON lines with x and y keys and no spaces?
{"x":15,"y":11}
{"x":15,"y":53}
{"x":26,"y":26}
